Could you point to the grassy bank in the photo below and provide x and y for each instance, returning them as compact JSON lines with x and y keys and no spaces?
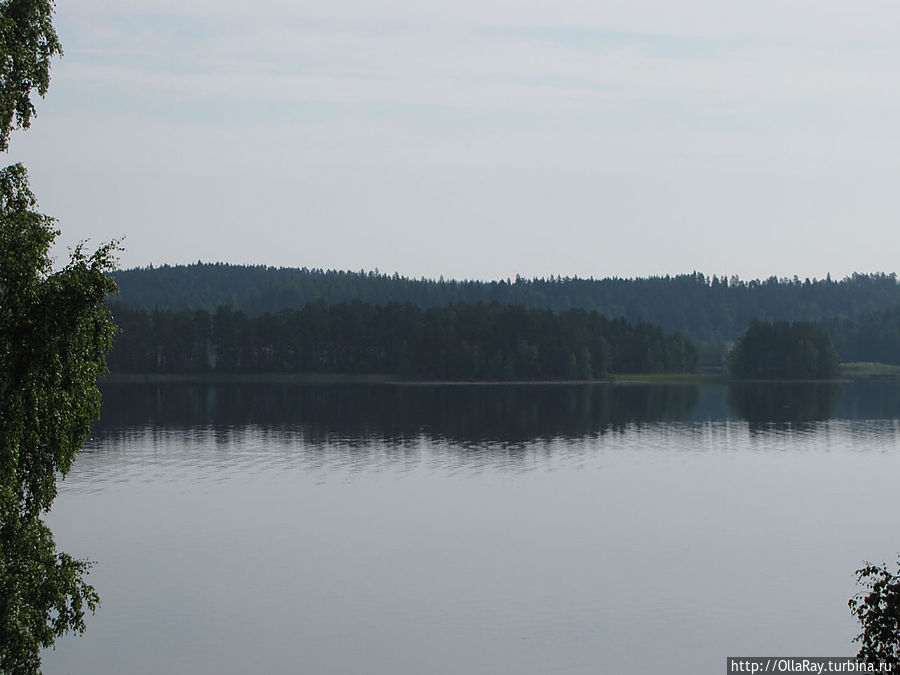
{"x":870,"y":370}
{"x":670,"y":378}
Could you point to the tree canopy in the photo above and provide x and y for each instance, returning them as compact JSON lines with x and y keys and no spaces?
{"x":783,"y":351}
{"x":713,"y":311}
{"x":28,"y":42}
{"x":702,"y":307}
{"x":55,"y":331}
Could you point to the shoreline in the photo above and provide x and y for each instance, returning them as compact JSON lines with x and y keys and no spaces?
{"x":869,"y":372}
{"x":393,"y":380}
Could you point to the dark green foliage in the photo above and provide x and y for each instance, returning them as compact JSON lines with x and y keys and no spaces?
{"x":43,"y":594}
{"x":454,"y":342}
{"x":783,"y":351}
{"x":27,"y":43}
{"x":54,"y":333}
{"x":709,"y":309}
{"x":872,"y":337}
{"x":878,"y":612}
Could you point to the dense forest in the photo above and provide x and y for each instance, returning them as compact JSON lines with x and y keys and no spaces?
{"x":860,"y":314}
{"x":451,"y":342}
{"x":782,"y":350}
{"x":872,"y":337}
{"x":712,"y":310}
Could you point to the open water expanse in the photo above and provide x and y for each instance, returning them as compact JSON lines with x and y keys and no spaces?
{"x":476,"y":529}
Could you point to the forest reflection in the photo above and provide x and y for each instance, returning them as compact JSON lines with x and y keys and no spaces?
{"x":484,"y":413}
{"x":783,"y":405}
{"x":459,"y":413}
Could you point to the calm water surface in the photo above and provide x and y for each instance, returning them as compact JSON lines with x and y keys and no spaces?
{"x":492,"y":529}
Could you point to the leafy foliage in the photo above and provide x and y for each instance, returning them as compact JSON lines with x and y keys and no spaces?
{"x":788,"y":351}
{"x":55,"y":331}
{"x":43,"y":594}
{"x":27,"y":43}
{"x":878,"y":612}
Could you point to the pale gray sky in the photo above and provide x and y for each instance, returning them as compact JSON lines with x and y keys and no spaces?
{"x":478,"y":139}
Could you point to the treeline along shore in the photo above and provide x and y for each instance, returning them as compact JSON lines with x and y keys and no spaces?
{"x":454,"y":342}
{"x":706,"y":308}
{"x":223,"y":318}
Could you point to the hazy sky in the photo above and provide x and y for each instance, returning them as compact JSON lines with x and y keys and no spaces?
{"x":478,"y":139}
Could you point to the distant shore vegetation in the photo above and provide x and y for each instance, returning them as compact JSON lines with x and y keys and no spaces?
{"x":860,"y":313}
{"x":784,"y":351}
{"x":700,"y":306}
{"x":464,"y":342}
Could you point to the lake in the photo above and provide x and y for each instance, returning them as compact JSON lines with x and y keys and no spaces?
{"x":478,"y":529}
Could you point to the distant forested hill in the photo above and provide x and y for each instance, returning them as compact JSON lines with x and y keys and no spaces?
{"x":709,"y":309}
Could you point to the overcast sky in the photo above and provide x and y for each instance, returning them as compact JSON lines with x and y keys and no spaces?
{"x":478,"y":139}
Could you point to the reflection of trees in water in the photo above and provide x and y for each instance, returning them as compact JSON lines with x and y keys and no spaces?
{"x":462,"y":414}
{"x":766,"y":404}
{"x":870,"y":400}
